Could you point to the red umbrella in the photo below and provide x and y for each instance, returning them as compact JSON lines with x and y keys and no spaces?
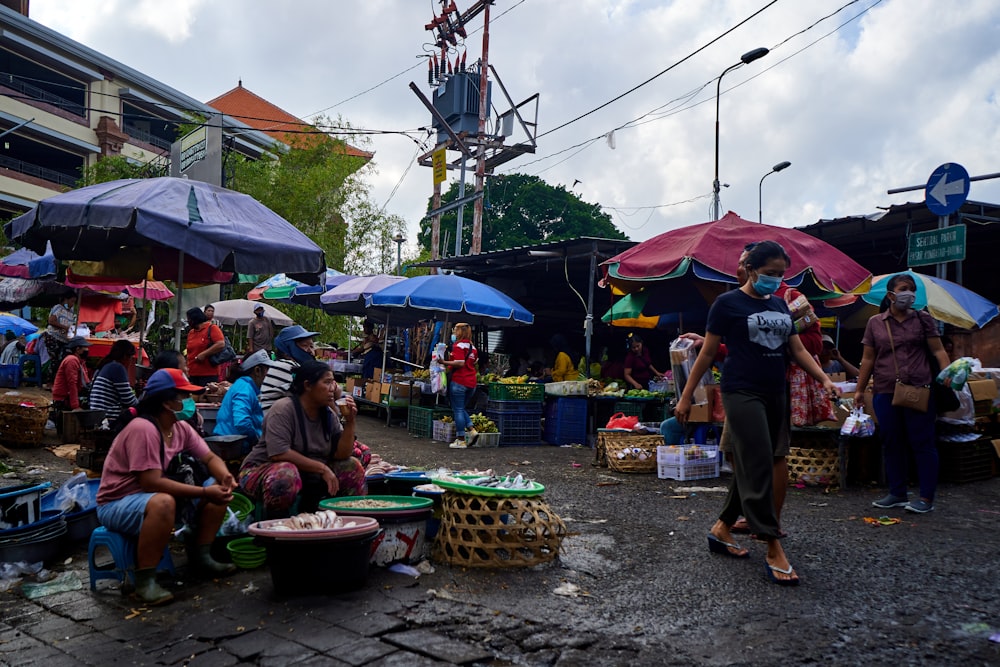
{"x":711,"y":251}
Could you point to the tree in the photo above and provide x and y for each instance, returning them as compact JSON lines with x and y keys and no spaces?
{"x":522,"y":210}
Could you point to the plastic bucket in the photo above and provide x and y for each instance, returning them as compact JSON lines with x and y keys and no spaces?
{"x":322,"y":565}
{"x":21,"y":505}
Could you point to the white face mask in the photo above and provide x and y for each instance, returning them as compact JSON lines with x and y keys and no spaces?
{"x":905,"y":299}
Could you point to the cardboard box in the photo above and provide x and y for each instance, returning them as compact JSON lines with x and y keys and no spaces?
{"x":984,"y":392}
{"x":837,"y":377}
{"x":701,"y":413}
{"x":373,"y":391}
{"x":377,"y":376}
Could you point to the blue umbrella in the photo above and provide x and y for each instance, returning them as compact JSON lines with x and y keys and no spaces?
{"x":20,"y":326}
{"x":943,"y":299}
{"x":468,"y":300}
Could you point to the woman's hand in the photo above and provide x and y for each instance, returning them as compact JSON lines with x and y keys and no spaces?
{"x":831,"y":389}
{"x":332,"y":483}
{"x":347,"y":407}
{"x":217,"y":494}
{"x":683,"y":409}
{"x":859,"y":397}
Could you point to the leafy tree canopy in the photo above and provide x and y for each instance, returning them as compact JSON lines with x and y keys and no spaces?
{"x":521,"y":210}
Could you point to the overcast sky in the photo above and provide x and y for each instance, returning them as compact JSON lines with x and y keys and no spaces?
{"x":857,"y":106}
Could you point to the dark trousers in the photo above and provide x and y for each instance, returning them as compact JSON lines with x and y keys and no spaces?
{"x":906,"y":433}
{"x":754,"y":423}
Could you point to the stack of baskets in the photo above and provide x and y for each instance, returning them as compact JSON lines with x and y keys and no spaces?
{"x":22,"y":419}
{"x":516,"y":409}
{"x":246,"y":554}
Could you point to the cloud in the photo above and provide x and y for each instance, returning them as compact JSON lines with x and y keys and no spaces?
{"x":877,"y":104}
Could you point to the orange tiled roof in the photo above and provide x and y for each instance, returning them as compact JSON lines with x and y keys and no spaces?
{"x":260,"y":114}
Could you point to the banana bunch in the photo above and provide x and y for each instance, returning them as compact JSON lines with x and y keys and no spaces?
{"x":482,"y":423}
{"x":422,"y":374}
{"x":447,"y":419}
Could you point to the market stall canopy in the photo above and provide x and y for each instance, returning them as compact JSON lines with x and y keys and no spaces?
{"x":222,"y":229}
{"x":943,"y":299}
{"x":25,"y":263}
{"x":456,"y":298}
{"x":17,"y":292}
{"x":19,"y":325}
{"x":348,"y":298}
{"x":150,"y":290}
{"x":280,"y":287}
{"x":711,"y":250}
{"x":240,"y":311}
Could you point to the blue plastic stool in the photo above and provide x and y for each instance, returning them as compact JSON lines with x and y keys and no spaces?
{"x":35,"y":377}
{"x":123,"y":552}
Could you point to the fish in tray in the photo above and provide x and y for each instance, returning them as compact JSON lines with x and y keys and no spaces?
{"x":494,"y":482}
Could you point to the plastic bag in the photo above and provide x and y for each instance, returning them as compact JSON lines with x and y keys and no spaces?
{"x":956,"y":373}
{"x":621,"y":420}
{"x":439,"y":376}
{"x":74,"y":495}
{"x":858,"y":424}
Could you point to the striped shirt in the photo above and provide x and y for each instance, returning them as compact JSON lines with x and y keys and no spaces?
{"x":111,"y":391}
{"x":277,"y":382}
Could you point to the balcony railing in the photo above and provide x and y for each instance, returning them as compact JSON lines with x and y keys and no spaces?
{"x":39,"y":172}
{"x":143,"y":135}
{"x":37,"y":93}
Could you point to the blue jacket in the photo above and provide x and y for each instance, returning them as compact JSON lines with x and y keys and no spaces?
{"x":240,"y":412}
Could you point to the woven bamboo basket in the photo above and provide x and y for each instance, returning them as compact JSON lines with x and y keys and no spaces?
{"x":814,"y":467}
{"x":619,"y":451}
{"x":497,"y":532}
{"x":22,"y":425}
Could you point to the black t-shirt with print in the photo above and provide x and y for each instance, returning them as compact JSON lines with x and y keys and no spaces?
{"x":755,"y":332}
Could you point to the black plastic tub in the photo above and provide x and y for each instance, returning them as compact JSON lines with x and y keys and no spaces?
{"x":318,"y":566}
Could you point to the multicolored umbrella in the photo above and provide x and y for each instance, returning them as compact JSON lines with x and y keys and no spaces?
{"x":280,"y":287}
{"x":711,"y":250}
{"x":943,"y":299}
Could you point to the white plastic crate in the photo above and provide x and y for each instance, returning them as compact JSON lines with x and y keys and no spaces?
{"x":442,"y":431}
{"x":687,"y":462}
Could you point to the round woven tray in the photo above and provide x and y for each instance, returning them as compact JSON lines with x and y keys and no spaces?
{"x":618,"y":451}
{"x":478,"y":531}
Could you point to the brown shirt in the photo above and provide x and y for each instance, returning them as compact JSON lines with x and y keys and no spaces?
{"x":259,"y":333}
{"x":912,"y":354}
{"x":281,"y":433}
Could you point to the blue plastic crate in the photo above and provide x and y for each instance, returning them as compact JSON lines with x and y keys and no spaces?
{"x":565,"y":421}
{"x":10,"y":376}
{"x":518,"y":429}
{"x":514,"y":407}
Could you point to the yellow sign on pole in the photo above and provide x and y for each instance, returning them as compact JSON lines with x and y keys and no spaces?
{"x":440,"y":164}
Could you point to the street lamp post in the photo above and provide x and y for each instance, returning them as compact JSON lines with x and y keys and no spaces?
{"x":746,"y":58}
{"x":775,"y":169}
{"x":399,"y":239}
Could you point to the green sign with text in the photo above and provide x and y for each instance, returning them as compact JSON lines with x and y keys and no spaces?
{"x":936,"y":246}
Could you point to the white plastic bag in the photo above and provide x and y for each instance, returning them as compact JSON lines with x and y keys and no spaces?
{"x":858,"y":424}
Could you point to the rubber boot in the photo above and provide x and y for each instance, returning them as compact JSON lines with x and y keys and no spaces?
{"x":207,"y":565}
{"x":147,"y":590}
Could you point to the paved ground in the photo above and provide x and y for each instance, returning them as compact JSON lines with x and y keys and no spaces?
{"x":635,"y":585}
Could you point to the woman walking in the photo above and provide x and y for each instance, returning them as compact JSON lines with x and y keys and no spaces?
{"x":759,"y":336}
{"x":898,"y":344}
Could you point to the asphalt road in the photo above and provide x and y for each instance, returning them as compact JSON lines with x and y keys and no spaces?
{"x":636,"y":585}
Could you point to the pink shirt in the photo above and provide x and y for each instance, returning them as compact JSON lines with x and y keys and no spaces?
{"x":137,"y":449}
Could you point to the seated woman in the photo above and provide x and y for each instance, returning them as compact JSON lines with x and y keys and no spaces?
{"x":240,"y":412}
{"x":111,"y":390}
{"x":136,"y":497}
{"x":305,"y":449}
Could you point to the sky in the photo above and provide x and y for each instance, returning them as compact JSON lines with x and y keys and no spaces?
{"x":861,"y":97}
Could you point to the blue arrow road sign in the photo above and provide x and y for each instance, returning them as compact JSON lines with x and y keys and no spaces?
{"x":947,"y":189}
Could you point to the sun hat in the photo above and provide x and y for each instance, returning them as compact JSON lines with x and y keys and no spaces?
{"x":828,"y":341}
{"x":170,"y":378}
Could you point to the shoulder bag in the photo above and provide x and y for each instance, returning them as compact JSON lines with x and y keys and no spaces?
{"x":227,"y":353}
{"x":907,"y":395}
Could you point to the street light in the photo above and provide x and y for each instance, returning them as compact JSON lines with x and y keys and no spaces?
{"x":399,"y":239}
{"x":775,"y":169}
{"x":745,"y":59}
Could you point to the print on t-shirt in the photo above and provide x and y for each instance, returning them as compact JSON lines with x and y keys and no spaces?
{"x":769,"y":329}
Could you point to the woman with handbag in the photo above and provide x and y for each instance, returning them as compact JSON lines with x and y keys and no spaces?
{"x":138,"y":496}
{"x":897,"y":344}
{"x":203,"y":340}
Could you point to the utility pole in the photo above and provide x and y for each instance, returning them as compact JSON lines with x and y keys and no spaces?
{"x":477,"y":206}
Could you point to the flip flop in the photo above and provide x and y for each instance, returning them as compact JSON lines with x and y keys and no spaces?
{"x":717,"y":546}
{"x":741,"y":526}
{"x":771,"y":569}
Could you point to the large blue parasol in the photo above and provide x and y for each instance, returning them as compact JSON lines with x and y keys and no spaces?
{"x":467,"y":300}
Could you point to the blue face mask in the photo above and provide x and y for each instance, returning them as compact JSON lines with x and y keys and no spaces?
{"x":187,"y":410}
{"x":454,"y":338}
{"x":765,"y":285}
{"x":300,"y":355}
